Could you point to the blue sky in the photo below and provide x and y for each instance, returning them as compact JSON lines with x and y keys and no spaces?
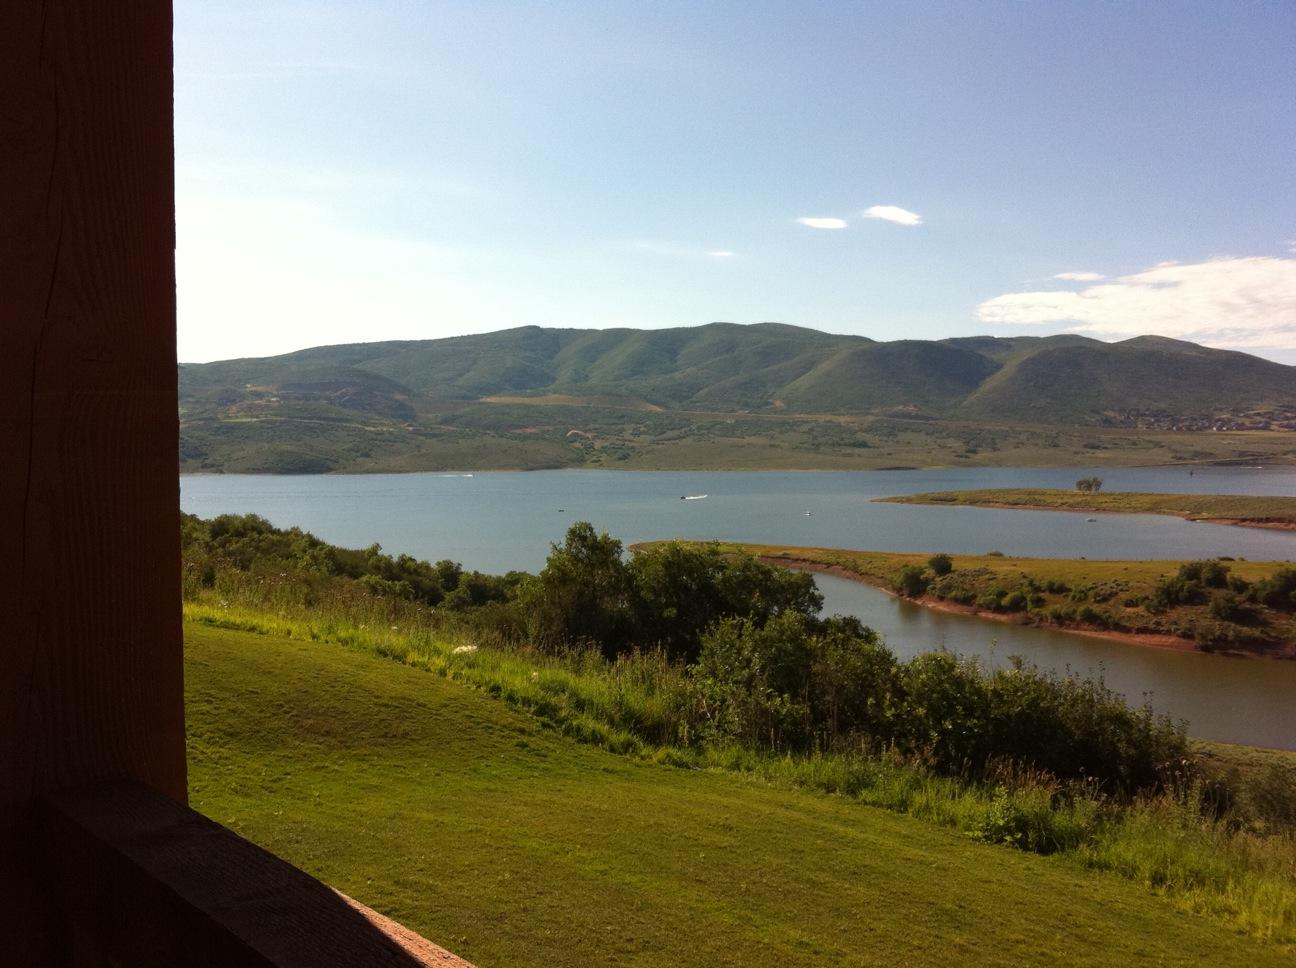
{"x":398,"y":170}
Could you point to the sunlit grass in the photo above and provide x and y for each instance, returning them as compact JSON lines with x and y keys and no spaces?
{"x":640,"y":706}
{"x":476,"y":825}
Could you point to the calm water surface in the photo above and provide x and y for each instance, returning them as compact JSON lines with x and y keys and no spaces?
{"x":498,"y":521}
{"x":1229,"y":699}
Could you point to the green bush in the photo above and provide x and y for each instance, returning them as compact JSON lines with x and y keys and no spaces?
{"x":1015,"y":601}
{"x":911,"y":581}
{"x":940,"y":564}
{"x":1277,"y":591}
{"x":797,"y":684}
{"x":1176,"y":590}
{"x":1227,"y":607}
{"x":1211,"y":573}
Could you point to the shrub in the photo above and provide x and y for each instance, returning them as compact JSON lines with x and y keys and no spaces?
{"x":911,"y":581}
{"x":1227,"y":607}
{"x":1014,"y":602}
{"x":1277,"y":591}
{"x":1176,"y":590}
{"x":940,"y":564}
{"x":798,"y":683}
{"x":990,"y":600}
{"x":1212,"y":574}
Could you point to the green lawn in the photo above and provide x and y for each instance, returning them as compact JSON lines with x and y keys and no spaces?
{"x":510,"y":845}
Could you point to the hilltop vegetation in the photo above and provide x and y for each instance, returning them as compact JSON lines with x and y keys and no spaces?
{"x":731,"y":396}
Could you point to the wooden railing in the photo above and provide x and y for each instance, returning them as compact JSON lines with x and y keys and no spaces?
{"x":138,"y":879}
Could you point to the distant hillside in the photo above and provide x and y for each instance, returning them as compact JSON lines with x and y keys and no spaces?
{"x":354,"y":395}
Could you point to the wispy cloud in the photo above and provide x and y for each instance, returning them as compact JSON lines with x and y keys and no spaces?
{"x":893,"y":213}
{"x":823,"y":223}
{"x":1230,"y":302}
{"x":1080,"y":276}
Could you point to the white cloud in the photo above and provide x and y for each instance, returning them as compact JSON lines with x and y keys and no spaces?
{"x":893,"y":213}
{"x":1230,"y":302}
{"x":823,"y":223}
{"x":720,"y":254}
{"x":1080,"y":276}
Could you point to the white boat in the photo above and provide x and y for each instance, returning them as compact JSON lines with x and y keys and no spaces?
{"x":692,"y":497}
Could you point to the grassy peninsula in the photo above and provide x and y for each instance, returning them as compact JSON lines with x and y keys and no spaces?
{"x":1241,"y":607}
{"x":1256,"y":512}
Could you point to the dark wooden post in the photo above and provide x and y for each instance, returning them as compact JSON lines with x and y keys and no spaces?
{"x":100,"y":862}
{"x":90,"y":638}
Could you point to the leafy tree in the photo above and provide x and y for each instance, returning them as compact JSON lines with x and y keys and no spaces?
{"x":583,"y":594}
{"x":681,"y":590}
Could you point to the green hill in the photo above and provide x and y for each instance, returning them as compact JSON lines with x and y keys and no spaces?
{"x":1147,"y":373}
{"x":511,"y":845}
{"x":397,"y":405}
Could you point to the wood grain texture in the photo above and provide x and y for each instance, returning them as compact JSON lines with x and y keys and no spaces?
{"x":153,"y":883}
{"x":90,"y":640}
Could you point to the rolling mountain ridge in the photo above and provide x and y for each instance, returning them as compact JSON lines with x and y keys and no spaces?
{"x":767,"y":366}
{"x":551,"y":390}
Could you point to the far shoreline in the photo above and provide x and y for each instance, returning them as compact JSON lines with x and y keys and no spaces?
{"x":1273,"y":513}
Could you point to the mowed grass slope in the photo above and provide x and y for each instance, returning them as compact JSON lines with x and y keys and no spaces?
{"x":511,"y":845}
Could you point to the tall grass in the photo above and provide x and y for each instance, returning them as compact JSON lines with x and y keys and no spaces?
{"x":643,"y":705}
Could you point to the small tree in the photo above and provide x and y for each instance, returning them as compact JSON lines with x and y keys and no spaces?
{"x":583,"y":594}
{"x":1090,"y":485}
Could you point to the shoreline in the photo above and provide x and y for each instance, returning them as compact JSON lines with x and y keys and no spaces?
{"x":1169,"y":643}
{"x":1267,"y":524}
{"x":779,"y":469}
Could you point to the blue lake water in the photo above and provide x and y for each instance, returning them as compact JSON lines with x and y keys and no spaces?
{"x":497,"y":521}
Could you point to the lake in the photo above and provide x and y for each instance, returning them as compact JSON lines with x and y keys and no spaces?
{"x":497,"y":521}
